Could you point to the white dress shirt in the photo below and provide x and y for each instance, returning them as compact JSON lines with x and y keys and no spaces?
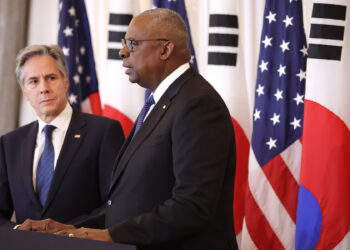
{"x":165,"y":84}
{"x":61,"y":122}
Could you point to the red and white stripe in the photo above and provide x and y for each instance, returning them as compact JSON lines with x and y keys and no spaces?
{"x":270,"y":212}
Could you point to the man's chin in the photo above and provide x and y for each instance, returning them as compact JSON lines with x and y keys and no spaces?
{"x":133,"y":79}
{"x":47,"y":114}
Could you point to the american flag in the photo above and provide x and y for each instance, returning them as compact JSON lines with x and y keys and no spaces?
{"x":75,"y":41}
{"x":179,"y":7}
{"x":277,"y":127}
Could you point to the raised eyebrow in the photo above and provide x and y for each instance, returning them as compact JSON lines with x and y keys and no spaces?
{"x":31,"y":78}
{"x":49,"y":75}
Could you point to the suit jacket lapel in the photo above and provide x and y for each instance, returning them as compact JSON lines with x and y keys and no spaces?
{"x":123,"y":148}
{"x":70,"y":146}
{"x":28,"y":147}
{"x":132,"y":144}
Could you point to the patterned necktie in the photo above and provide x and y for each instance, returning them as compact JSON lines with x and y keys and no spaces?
{"x":144,"y":112}
{"x":46,"y":166}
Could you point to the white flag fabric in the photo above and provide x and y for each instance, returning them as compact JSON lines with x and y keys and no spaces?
{"x":122,"y":100}
{"x":231,"y":35}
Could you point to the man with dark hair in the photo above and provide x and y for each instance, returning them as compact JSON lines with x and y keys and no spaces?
{"x":60,"y":165}
{"x":172,"y":184}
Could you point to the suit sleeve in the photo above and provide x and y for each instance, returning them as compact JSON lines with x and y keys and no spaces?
{"x":6,"y":205}
{"x":202,"y":143}
{"x":112,"y":141}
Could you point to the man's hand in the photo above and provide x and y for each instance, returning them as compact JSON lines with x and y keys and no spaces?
{"x":46,"y":226}
{"x":87,"y":233}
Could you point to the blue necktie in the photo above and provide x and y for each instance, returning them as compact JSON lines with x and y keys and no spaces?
{"x":46,"y":166}
{"x":144,"y":112}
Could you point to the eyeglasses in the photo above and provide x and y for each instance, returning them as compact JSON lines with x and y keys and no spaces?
{"x":131,"y":43}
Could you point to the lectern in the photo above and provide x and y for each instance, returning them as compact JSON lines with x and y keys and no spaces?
{"x":21,"y":240}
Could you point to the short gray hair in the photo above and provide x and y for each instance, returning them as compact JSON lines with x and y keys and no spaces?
{"x":40,"y":50}
{"x":172,"y":20}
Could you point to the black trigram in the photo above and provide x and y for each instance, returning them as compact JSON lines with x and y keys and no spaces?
{"x":118,"y":24}
{"x":222,"y":40}
{"x":327,"y":31}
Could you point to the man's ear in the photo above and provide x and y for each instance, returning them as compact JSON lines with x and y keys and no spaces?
{"x":166,"y":49}
{"x":66,"y":83}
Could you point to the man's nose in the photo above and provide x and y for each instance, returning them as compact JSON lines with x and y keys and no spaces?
{"x":124,"y":52}
{"x":44,"y":87}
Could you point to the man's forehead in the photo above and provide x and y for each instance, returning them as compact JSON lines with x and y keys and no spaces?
{"x":141,"y":19}
{"x":141,"y":27}
{"x":137,"y":22}
{"x":40,"y":65}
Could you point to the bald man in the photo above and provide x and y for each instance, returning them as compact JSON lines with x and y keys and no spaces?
{"x":172,"y":185}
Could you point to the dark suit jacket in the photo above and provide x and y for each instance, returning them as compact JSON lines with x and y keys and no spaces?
{"x":172,"y":186}
{"x":82,"y":175}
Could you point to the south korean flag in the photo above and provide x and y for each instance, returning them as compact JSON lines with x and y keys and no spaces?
{"x":323,"y":218}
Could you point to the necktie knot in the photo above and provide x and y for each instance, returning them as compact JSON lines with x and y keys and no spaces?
{"x":150,"y":100}
{"x":48,"y":129}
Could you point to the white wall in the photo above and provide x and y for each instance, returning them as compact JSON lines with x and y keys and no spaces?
{"x":42,"y":29}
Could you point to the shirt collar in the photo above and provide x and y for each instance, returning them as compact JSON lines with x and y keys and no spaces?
{"x":61,"y":121}
{"x":164,"y":85}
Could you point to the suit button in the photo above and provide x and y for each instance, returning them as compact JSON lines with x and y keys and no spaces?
{"x":109,"y":202}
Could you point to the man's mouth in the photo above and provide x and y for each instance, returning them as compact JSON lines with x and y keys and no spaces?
{"x":128,"y":71}
{"x":128,"y":68}
{"x":47,"y":100}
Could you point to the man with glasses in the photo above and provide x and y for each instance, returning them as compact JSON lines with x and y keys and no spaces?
{"x":172,"y":185}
